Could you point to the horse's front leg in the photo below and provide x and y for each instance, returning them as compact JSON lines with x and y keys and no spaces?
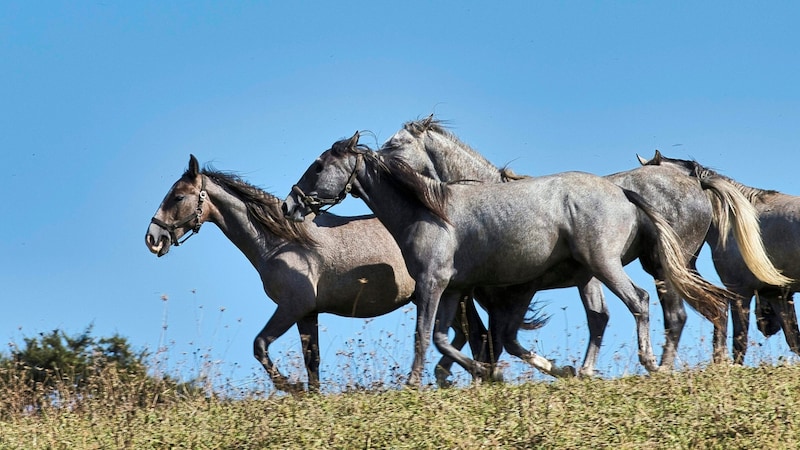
{"x":277,"y":325}
{"x":467,"y":326}
{"x":444,"y":317}
{"x":429,"y":292}
{"x":308,"y":327}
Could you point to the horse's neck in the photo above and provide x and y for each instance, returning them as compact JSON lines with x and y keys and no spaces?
{"x":390,"y":204}
{"x":235,"y":223}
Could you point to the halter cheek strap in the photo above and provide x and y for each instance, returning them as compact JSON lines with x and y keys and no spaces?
{"x":316,"y":203}
{"x":196,"y":216}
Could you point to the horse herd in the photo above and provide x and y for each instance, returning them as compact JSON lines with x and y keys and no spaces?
{"x":450,"y":229}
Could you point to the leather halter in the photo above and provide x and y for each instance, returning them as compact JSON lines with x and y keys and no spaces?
{"x":198,"y":212}
{"x":316,"y":203}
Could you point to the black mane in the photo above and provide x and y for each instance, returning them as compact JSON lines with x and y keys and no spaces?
{"x":431,"y":194}
{"x":699,"y":171}
{"x":262,"y":207}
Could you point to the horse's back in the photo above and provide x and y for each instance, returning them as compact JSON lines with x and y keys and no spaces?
{"x":513,"y":230}
{"x":678,"y":198}
{"x":566,"y":199}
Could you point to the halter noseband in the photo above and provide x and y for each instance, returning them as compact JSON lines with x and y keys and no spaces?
{"x":198,"y":212}
{"x":316,"y":203}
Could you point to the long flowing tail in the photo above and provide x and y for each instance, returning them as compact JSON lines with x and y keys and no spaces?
{"x":733,"y":210}
{"x":707,"y":299}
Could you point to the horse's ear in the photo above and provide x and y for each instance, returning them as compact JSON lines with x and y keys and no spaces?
{"x":657,"y":158}
{"x":194,"y":166}
{"x":427,"y":122}
{"x":352,"y":144}
{"x":656,"y":161}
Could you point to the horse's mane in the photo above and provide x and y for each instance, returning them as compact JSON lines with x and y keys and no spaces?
{"x":432,"y":194}
{"x":262,"y":207}
{"x":435,"y":126}
{"x":699,"y":171}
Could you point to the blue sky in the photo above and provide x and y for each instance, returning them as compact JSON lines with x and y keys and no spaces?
{"x":102,"y":103}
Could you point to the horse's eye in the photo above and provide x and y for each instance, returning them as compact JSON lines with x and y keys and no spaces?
{"x":179,"y":197}
{"x":317,"y":167}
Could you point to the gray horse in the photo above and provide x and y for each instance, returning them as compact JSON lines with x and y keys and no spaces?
{"x":458,"y":236}
{"x":426,"y":146}
{"x":348,"y":266}
{"x":779,"y":215}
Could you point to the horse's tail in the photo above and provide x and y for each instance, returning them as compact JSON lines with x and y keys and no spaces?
{"x":536,"y":318}
{"x":709,"y":300}
{"x":733,"y":210}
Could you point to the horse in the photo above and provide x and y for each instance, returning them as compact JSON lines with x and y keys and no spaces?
{"x":779,"y":216}
{"x":348,"y":266}
{"x":428,"y":147}
{"x":456,"y":236}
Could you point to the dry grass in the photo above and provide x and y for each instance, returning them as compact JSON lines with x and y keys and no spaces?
{"x":719,"y":407}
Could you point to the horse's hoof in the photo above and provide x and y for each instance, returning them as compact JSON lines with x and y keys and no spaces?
{"x":414,"y":382}
{"x":497,"y":375}
{"x":442,"y":377}
{"x":564,"y":372}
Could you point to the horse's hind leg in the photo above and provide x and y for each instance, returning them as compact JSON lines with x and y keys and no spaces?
{"x":505,"y":318}
{"x":308,"y":327}
{"x":637,"y":301}
{"x":740,"y":318}
{"x":674,"y":321}
{"x":597,"y":318}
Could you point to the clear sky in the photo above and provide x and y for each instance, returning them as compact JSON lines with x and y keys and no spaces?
{"x":101,"y":103}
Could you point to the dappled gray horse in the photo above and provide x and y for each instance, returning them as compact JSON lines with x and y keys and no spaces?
{"x":348,"y":266}
{"x":457,"y":236}
{"x":779,"y":215}
{"x":426,"y":146}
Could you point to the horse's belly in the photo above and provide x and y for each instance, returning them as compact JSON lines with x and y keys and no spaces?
{"x":508,"y":265}
{"x":366,"y":291}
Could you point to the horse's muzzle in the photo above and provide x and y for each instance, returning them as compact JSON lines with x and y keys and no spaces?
{"x":293,"y":210}
{"x":157,"y":241}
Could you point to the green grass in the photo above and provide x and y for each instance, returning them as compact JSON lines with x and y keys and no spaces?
{"x":718,"y":407}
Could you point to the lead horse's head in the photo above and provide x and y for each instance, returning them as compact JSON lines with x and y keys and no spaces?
{"x":181,"y":212}
{"x":327,"y":181}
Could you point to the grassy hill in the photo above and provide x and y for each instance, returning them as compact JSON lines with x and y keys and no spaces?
{"x":718,"y":407}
